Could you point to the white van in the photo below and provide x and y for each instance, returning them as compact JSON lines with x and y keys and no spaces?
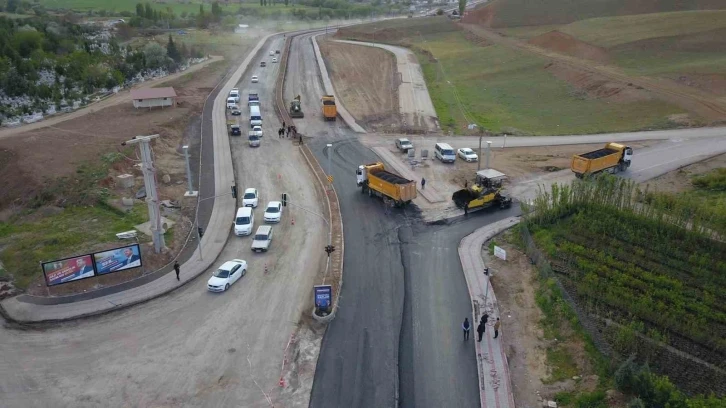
{"x":445,"y":153}
{"x":255,"y":116}
{"x":231,"y":103}
{"x":244,"y":221}
{"x":234,"y":94}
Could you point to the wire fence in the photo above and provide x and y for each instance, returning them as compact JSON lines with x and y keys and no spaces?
{"x":544,"y":268}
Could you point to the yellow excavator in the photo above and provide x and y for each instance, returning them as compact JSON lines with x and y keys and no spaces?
{"x":485,"y":192}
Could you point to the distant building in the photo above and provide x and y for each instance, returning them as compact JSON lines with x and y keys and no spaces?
{"x":153,"y":97}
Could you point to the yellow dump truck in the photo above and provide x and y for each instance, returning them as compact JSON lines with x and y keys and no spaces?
{"x":485,"y":192}
{"x":376,"y":181}
{"x":329,"y":109}
{"x":613,"y":158}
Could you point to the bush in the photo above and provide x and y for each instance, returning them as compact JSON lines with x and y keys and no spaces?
{"x":636,"y":403}
{"x":714,"y":181}
{"x":591,"y":400}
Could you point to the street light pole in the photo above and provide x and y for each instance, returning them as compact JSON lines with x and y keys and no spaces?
{"x":190,"y":192}
{"x":489,"y":149}
{"x":478,"y":162}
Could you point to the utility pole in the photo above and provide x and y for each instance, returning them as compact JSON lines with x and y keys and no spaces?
{"x":190,"y":192}
{"x":152,"y":195}
{"x":330,"y":153}
{"x":489,"y":149}
{"x":478,"y":162}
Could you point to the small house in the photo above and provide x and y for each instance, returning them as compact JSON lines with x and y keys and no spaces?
{"x":153,"y":97}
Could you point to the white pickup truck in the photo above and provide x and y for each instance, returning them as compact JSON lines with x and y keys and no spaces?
{"x":256,"y":130}
{"x":263,"y":238}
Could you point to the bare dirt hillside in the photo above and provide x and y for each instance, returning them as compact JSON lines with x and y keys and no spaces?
{"x":516,"y":13}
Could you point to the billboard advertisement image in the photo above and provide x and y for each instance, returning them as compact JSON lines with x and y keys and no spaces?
{"x":116,"y":260}
{"x":68,"y":270}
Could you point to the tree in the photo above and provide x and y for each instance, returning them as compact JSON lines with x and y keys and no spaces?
{"x":124,"y":31}
{"x":148,"y":12}
{"x":184,"y":51}
{"x":155,"y":55}
{"x":139,"y":9}
{"x":12,"y":5}
{"x":172,"y":51}
{"x":262,"y":2}
{"x":462,"y":7}
{"x":216,"y":11}
{"x":286,"y":3}
{"x":25,"y":42}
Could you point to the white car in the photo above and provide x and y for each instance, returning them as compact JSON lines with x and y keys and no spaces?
{"x":273,"y":212}
{"x":272,"y":52}
{"x":274,"y":60}
{"x":226,"y":275}
{"x":250,"y":198}
{"x":255,"y":79}
{"x":467,"y":154}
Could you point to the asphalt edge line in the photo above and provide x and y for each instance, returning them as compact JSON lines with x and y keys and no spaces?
{"x":4,"y":313}
{"x":465,"y":245}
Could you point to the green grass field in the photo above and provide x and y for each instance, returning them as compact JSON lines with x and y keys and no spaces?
{"x":612,"y":31}
{"x":503,"y":90}
{"x":75,"y":230}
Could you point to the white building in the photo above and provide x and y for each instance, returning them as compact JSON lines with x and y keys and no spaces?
{"x":152,"y":97}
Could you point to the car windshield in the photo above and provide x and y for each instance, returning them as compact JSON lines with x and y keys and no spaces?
{"x":249,"y":195}
{"x":272,"y":210}
{"x":448,"y":152}
{"x":468,"y":151}
{"x":261,"y":237}
{"x":243,"y":220}
{"x":221,"y":273}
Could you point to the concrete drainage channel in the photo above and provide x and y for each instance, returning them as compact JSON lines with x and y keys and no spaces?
{"x":333,"y":205}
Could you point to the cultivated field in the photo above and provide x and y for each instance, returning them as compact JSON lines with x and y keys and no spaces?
{"x":647,"y":273}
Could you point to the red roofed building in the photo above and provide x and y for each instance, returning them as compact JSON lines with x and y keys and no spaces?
{"x":152,"y":97}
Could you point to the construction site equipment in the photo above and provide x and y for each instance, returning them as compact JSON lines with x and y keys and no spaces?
{"x":613,"y":158}
{"x":375,"y":180}
{"x":295,"y":109}
{"x":485,"y":192}
{"x":329,"y":109}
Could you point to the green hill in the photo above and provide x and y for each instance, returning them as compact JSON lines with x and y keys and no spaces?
{"x":516,"y":13}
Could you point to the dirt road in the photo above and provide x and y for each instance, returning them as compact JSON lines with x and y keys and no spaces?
{"x":371,"y":99}
{"x":190,"y":348}
{"x":708,"y":106}
{"x":121,"y":97}
{"x":415,"y":106}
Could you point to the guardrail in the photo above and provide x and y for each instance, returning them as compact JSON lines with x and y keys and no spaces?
{"x":332,"y":203}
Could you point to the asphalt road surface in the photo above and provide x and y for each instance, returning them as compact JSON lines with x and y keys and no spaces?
{"x":403,"y":284}
{"x":190,"y":348}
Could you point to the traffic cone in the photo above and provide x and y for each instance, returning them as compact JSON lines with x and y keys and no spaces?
{"x":293,"y":220}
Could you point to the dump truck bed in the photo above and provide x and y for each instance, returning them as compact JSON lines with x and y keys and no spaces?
{"x":392,"y":185}
{"x":390,"y":177}
{"x":598,"y":153}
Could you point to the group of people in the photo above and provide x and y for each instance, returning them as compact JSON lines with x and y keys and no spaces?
{"x":481,"y":328}
{"x":285,"y":132}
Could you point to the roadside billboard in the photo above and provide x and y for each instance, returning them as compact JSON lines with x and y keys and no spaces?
{"x":68,"y":270}
{"x":322,"y":296}
{"x":118,"y":259}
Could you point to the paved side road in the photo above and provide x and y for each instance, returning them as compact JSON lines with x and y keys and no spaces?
{"x":415,"y":104}
{"x":213,"y":242}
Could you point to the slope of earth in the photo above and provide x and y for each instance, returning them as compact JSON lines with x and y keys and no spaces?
{"x":510,"y":91}
{"x":366,"y":80}
{"x":60,"y":194}
{"x":515,"y":13}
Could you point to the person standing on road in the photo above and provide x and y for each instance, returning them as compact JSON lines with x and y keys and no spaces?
{"x":301,"y":142}
{"x":288,"y":129}
{"x":283,"y":124}
{"x":467,"y":327}
{"x":496,"y":328}
{"x":176,"y":268}
{"x":423,"y":183}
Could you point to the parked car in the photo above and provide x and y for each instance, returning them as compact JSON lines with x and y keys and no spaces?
{"x":263,"y":64}
{"x":467,"y":154}
{"x":404,"y":144}
{"x":255,"y":79}
{"x":263,"y":238}
{"x":273,"y":212}
{"x":236,"y":112}
{"x":226,"y":275}
{"x":250,"y":198}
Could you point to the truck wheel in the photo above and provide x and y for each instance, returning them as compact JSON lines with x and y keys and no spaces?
{"x":370,"y":192}
{"x":578,"y":175}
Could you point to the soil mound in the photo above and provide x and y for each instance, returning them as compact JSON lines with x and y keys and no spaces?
{"x":566,"y":44}
{"x":592,"y":85}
